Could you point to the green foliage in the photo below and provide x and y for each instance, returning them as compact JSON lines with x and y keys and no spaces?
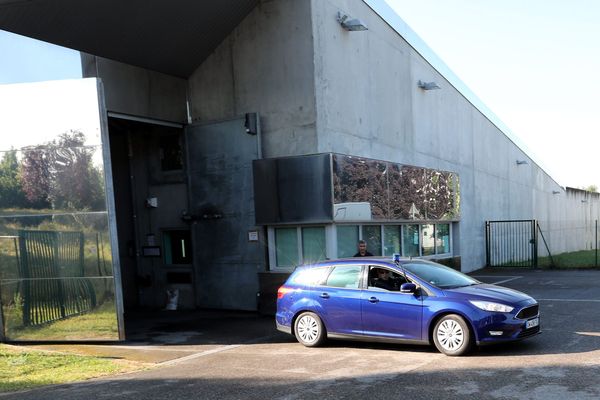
{"x":11,"y":192}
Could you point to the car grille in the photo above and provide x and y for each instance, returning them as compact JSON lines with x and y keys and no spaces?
{"x":529,"y":332}
{"x":528,"y":312}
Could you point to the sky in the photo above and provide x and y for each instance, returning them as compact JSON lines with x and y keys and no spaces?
{"x":534,"y":63}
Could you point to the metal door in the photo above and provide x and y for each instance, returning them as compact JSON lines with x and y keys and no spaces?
{"x":219,"y":166}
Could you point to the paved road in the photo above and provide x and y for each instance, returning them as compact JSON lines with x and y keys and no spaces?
{"x":562,"y":363}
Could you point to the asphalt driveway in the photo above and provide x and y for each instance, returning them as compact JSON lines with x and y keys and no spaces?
{"x":561,"y":363}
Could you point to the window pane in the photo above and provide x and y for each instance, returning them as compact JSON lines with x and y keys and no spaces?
{"x":410,"y":240}
{"x":442,"y":238}
{"x":345,"y":277}
{"x":311,"y":276}
{"x":391,"y":239}
{"x":372,"y":235}
{"x":313,"y":244}
{"x":347,"y":238}
{"x":286,"y":243}
{"x":428,"y":239}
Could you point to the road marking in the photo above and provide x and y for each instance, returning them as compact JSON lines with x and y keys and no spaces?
{"x":510,"y":278}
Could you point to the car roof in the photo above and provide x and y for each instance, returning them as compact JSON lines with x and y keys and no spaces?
{"x":381,"y":260}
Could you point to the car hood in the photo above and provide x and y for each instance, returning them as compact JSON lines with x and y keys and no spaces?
{"x":490,"y":292}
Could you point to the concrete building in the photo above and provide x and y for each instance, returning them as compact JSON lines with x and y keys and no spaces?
{"x":244,"y":137}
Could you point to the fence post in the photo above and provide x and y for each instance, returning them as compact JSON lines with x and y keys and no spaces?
{"x":487,"y":243}
{"x":534,"y":226}
{"x":596,"y":243}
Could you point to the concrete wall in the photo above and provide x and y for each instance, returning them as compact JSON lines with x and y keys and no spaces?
{"x":138,"y":91}
{"x":368,"y":104}
{"x":265,"y":65}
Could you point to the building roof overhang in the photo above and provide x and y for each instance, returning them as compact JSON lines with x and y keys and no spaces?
{"x":173,"y":37}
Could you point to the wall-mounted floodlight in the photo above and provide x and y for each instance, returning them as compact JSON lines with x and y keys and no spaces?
{"x":428,"y":85}
{"x":556,"y":192}
{"x":522,"y":162}
{"x":583,"y":200}
{"x":351,"y":24}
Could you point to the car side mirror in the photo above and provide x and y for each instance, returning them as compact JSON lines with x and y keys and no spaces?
{"x":408,"y":288}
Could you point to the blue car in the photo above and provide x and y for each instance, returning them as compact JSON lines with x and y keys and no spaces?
{"x":401,"y":300}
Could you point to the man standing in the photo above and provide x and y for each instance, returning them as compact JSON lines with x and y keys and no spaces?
{"x":362,"y":250}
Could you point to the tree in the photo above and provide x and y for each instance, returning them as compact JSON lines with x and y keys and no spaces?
{"x":11,"y":193}
{"x":60,"y":174}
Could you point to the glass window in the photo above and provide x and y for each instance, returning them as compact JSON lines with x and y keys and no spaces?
{"x":310,"y":276}
{"x":391,"y":239}
{"x":313,"y":244}
{"x":347,"y":238}
{"x":410,"y":240}
{"x":442,"y":238}
{"x":372,"y":235}
{"x":177,"y":246}
{"x":286,"y":245}
{"x":170,"y":153}
{"x":428,"y":239}
{"x":345,"y":277}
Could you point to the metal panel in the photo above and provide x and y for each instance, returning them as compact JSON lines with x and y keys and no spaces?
{"x":293,"y":190}
{"x":219,"y":161}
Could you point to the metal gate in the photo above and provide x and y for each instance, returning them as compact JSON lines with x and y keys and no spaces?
{"x":511,"y":243}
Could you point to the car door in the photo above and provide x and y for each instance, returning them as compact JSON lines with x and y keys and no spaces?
{"x":340,"y":300}
{"x":391,"y":314}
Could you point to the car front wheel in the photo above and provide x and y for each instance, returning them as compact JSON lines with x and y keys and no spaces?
{"x":451,"y":336}
{"x":309,"y":329}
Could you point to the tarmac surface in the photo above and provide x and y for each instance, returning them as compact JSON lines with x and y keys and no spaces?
{"x":235,"y":355}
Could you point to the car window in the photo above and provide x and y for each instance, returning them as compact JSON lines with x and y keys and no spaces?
{"x":344,"y":276}
{"x":310,"y":276}
{"x":440,"y":276}
{"x":392,"y":281}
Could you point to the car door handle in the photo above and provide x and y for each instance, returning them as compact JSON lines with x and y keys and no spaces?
{"x":374,"y":300}
{"x":324,"y":295}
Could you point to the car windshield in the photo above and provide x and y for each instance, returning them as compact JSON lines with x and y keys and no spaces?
{"x":440,"y":276}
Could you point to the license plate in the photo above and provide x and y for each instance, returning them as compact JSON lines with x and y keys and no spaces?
{"x":532,"y":323}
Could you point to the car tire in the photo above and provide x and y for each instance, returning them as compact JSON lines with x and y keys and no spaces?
{"x":452,"y":336}
{"x":309,"y":329}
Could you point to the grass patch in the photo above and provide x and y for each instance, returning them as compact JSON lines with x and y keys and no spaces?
{"x":22,"y":368}
{"x":585,"y":259}
{"x":98,"y":324}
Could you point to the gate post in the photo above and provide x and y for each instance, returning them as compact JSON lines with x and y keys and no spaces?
{"x":487,"y":244}
{"x":534,"y":239}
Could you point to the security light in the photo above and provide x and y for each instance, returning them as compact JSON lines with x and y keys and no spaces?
{"x":522,"y":162}
{"x":428,"y":85}
{"x":351,"y":24}
{"x":555,"y":191}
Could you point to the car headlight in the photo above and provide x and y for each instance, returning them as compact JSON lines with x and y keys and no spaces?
{"x":489,"y":306}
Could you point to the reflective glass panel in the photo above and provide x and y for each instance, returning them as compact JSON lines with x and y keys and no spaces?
{"x":442,"y":238}
{"x":410,"y":240}
{"x":391,"y":240}
{"x":366,"y":189}
{"x":428,"y":239}
{"x":372,"y":235}
{"x":56,"y":266}
{"x":286,"y":245}
{"x":344,"y":277}
{"x":347,"y":240}
{"x":313,"y":244}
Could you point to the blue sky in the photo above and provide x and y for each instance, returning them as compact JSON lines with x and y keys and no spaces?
{"x":534,"y":63}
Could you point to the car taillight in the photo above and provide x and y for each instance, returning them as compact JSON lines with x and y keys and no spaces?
{"x":282,"y":291}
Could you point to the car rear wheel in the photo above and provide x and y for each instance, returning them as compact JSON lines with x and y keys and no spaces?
{"x":309,"y":329}
{"x":451,"y":336}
